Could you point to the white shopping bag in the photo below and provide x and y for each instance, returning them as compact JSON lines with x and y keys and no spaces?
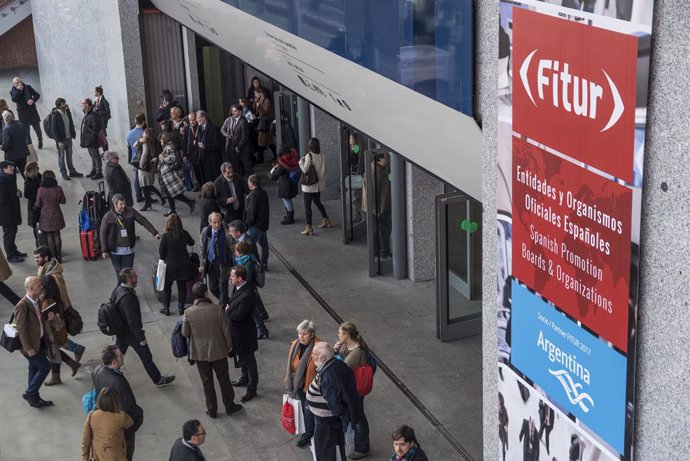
{"x":160,"y":275}
{"x":299,"y":416}
{"x":349,"y":440}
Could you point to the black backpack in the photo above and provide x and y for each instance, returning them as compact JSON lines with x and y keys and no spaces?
{"x":178,"y":343}
{"x":46,"y":124}
{"x":110,"y":320}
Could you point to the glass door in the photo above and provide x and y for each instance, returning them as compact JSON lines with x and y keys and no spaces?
{"x":459,"y":266}
{"x":286,"y":114}
{"x":376,"y":193}
{"x":354,"y":218}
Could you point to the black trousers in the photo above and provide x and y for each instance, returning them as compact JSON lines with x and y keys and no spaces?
{"x":9,"y":234}
{"x":220,"y":368}
{"x":181,"y":292}
{"x":8,"y":294}
{"x":328,"y":432}
{"x":129,"y":441}
{"x":144,"y":353}
{"x":218,"y":283}
{"x":250,"y":373}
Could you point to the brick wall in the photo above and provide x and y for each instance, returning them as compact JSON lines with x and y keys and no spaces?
{"x":19,"y":46}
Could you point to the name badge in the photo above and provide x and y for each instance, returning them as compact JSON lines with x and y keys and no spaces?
{"x":123,"y":232}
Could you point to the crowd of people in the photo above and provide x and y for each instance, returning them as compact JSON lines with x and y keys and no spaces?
{"x":218,"y":290}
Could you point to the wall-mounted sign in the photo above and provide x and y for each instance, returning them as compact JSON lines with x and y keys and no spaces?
{"x":572,"y":113}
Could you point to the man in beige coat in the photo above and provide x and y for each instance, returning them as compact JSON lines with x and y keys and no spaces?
{"x":205,"y":325}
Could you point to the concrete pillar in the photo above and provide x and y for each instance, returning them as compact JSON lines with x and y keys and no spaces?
{"x":421,"y":189}
{"x":73,"y":60}
{"x":326,"y":128}
{"x":191,"y":69}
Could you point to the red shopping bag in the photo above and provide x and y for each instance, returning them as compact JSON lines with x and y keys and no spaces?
{"x":287,"y":416}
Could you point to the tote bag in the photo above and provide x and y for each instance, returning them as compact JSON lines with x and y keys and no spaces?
{"x":160,"y":275}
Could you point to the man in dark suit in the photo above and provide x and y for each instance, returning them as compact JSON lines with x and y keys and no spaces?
{"x":530,"y":440}
{"x":208,"y":146}
{"x":205,"y":325}
{"x":546,"y":417}
{"x":187,"y":448}
{"x":26,"y":97}
{"x":240,"y":312}
{"x":10,"y":211}
{"x":256,"y":217}
{"x":241,"y":140}
{"x":14,"y":141}
{"x":231,"y":189}
{"x":109,"y":375}
{"x":216,"y":257}
{"x":189,"y":149}
{"x":31,"y":329}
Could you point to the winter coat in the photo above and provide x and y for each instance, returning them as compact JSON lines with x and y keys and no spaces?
{"x":106,"y":376}
{"x":264,"y":109}
{"x":174,"y":252}
{"x":31,"y":186}
{"x":223,"y":193}
{"x":26,"y":113}
{"x":102,"y":109}
{"x":206,"y":326}
{"x":281,"y":173}
{"x":118,"y":183}
{"x":110,"y":228}
{"x":90,"y":126}
{"x":10,"y":210}
{"x":147,"y":167}
{"x":14,"y":141}
{"x":49,"y":199}
{"x":104,"y":436}
{"x":319,"y":162}
{"x":58,"y":129}
{"x":256,"y":212}
{"x":240,"y":314}
{"x":182,"y":451}
{"x":167,"y":168}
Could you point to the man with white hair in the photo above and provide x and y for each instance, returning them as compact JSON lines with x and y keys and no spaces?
{"x":14,"y":141}
{"x":26,"y":97}
{"x":31,"y":328}
{"x":332,"y":394}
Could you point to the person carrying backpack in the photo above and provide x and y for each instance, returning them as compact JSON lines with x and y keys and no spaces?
{"x":132,"y":333}
{"x":63,"y":132}
{"x":288,"y":162}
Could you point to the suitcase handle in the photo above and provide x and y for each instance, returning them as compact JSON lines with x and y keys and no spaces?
{"x":101,"y":188}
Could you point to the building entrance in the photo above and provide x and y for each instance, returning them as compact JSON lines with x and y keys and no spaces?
{"x":459,"y":266}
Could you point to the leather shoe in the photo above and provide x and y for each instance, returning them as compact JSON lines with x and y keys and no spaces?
{"x":302,"y":442}
{"x":23,"y":255}
{"x":358,"y":455}
{"x":165,"y":380}
{"x":97,"y":176}
{"x":262,"y":335}
{"x":248,"y":396}
{"x":15,"y":259}
{"x":211,"y":414}
{"x":76,"y":174}
{"x":45,"y":403}
{"x":239,"y":382}
{"x":233,"y":409}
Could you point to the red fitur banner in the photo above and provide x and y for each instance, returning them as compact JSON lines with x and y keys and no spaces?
{"x":574,"y":90}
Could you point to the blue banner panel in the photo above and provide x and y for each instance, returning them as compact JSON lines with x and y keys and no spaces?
{"x":579,"y":371}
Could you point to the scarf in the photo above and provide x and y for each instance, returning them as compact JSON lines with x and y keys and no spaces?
{"x":408,"y":456}
{"x":289,"y":161}
{"x":244,"y":259}
{"x":297,"y":381}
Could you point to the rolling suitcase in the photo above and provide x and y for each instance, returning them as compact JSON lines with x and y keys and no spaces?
{"x":89,"y":249}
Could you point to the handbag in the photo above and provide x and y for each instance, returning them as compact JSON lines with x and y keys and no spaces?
{"x":264,"y":124}
{"x":154,"y":283}
{"x":295,"y":411}
{"x":9,"y":338}
{"x":101,"y":139}
{"x":160,"y":275}
{"x":353,"y":181}
{"x":73,"y":321}
{"x":309,"y":177}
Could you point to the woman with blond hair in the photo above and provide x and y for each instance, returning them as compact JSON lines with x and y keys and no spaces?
{"x":103,"y":437}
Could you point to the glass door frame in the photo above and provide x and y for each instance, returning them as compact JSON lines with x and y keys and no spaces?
{"x":377,"y":265}
{"x":350,"y":231}
{"x":469,"y":325}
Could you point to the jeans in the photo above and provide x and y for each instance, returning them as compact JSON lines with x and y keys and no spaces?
{"x":137,"y":187}
{"x":120,"y":262}
{"x":8,"y":294}
{"x":39,"y":367}
{"x":259,"y":321}
{"x":74,"y":347}
{"x":308,"y":415}
{"x":328,"y":432}
{"x":287,"y":203}
{"x":96,"y":165}
{"x":144,"y":353}
{"x":65,"y":154}
{"x":315,"y":197}
{"x":361,"y":430}
{"x":9,"y":233}
{"x":260,"y":238}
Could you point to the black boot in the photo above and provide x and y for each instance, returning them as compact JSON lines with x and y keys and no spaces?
{"x":165,"y":310}
{"x":289,"y":219}
{"x":180,"y":309}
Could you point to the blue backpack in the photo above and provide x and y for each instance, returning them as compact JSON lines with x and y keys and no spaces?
{"x":180,"y":344}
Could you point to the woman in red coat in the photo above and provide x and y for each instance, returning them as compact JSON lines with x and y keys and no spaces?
{"x":51,"y":221}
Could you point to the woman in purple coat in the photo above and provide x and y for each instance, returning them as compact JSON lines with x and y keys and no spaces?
{"x":51,"y":221}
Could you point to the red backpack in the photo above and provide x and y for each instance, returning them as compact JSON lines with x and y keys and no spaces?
{"x":364,"y":377}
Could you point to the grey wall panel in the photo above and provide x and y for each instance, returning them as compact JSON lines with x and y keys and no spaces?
{"x":164,"y":68}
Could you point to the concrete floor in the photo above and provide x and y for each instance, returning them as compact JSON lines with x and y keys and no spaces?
{"x":396,"y":318}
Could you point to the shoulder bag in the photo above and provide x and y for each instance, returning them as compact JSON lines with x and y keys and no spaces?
{"x":309,"y":177}
{"x":10,"y":338}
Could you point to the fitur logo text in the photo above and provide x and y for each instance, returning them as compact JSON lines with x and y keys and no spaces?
{"x":573,"y":93}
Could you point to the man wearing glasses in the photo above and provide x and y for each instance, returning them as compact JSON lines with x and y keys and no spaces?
{"x":187,"y":448}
